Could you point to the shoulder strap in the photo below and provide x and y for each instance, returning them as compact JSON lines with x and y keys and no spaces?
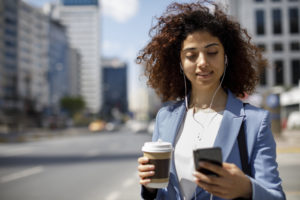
{"x":243,"y":151}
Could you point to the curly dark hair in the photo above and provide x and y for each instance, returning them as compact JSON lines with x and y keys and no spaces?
{"x":161,"y":56}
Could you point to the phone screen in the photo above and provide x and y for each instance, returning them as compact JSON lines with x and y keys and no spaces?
{"x":212,"y":155}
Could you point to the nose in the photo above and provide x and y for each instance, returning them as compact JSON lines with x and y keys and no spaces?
{"x":201,"y":61}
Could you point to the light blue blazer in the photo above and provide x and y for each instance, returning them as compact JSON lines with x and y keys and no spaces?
{"x":266,"y":184}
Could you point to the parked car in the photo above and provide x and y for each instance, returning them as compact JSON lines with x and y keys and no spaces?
{"x":293,"y":120}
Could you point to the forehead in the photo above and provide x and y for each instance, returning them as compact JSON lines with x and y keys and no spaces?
{"x":200,"y":39}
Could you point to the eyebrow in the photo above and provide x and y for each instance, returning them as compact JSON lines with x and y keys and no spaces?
{"x":192,"y":48}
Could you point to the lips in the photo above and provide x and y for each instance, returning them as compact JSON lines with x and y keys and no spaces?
{"x":204,"y":74}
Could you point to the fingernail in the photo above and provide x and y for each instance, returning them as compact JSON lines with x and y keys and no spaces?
{"x":151,"y":172}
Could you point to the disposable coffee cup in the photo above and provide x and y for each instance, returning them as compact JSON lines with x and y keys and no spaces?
{"x":159,"y":154}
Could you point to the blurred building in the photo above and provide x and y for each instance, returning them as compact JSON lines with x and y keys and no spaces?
{"x":274,"y":26}
{"x":74,"y":72}
{"x":115,"y":95}
{"x":8,"y":56}
{"x":81,"y":18}
{"x":144,"y":103}
{"x":33,"y":59}
{"x":35,"y":64}
{"x":58,"y":75}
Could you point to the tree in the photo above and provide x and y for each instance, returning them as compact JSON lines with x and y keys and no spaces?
{"x":72,"y":104}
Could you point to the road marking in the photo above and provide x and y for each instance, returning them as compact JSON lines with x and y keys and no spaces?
{"x":112,"y":196}
{"x":129,"y":182}
{"x":21,"y":174}
{"x":126,"y":184}
{"x":291,"y":192}
{"x":288,"y":150}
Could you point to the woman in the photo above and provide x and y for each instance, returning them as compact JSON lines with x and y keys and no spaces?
{"x":201,"y":62}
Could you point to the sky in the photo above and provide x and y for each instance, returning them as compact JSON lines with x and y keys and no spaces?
{"x":124,"y":28}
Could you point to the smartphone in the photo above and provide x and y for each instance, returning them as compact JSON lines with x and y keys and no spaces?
{"x":212,"y":155}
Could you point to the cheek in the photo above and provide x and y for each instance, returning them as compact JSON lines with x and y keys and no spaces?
{"x":188,"y":69}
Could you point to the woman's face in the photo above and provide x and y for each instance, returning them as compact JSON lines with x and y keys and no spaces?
{"x":202,"y":59}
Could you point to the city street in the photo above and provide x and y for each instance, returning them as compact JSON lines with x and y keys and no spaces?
{"x":99,"y":166}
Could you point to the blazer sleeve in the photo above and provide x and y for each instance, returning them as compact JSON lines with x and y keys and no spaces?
{"x":266,"y":183}
{"x":157,"y":194}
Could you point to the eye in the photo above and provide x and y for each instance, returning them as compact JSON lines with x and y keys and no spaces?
{"x":212,"y":52}
{"x":191,"y":56}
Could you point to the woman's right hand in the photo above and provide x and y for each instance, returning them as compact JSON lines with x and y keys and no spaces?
{"x":145,"y":170}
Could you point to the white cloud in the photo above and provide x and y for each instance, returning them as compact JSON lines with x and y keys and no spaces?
{"x":110,"y":47}
{"x":120,"y":10}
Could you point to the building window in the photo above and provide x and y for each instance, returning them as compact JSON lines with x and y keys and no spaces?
{"x":295,"y":72}
{"x":294,"y":20}
{"x":295,"y":46}
{"x":276,"y":15}
{"x":260,"y":22}
{"x":278,"y":72}
{"x":263,"y":79}
{"x":277,"y":47}
{"x":259,"y":0}
{"x":262,"y":47}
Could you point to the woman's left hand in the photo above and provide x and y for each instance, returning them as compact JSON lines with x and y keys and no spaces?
{"x":231,"y":182}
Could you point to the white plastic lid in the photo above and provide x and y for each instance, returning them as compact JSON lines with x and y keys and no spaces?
{"x":158,"y":146}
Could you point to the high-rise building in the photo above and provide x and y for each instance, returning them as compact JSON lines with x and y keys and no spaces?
{"x":33,"y":59}
{"x":114,"y":87}
{"x":274,"y":26}
{"x":8,"y":54}
{"x":58,"y":75}
{"x":74,"y":67}
{"x":81,"y":18}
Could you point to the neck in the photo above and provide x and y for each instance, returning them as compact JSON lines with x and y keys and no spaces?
{"x":202,"y":99}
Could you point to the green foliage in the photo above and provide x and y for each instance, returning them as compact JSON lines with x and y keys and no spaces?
{"x":72,"y":105}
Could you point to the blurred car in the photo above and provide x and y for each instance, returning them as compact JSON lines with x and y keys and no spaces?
{"x":137,"y":126}
{"x":97,"y":125}
{"x":293,"y":120}
{"x":112,"y":126}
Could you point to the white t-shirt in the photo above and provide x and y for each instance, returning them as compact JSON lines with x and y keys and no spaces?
{"x":198,"y":131}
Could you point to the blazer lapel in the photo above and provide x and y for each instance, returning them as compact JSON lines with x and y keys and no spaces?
{"x":230,"y":125}
{"x":174,"y":123}
{"x":229,"y":128}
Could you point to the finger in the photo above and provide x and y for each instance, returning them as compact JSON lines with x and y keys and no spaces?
{"x":145,"y":181}
{"x":212,"y":167}
{"x":144,"y":175}
{"x":143,"y":160}
{"x":206,"y":178}
{"x":229,"y":165}
{"x":206,"y":186}
{"x":144,"y":168}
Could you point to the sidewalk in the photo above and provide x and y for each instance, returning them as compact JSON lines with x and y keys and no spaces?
{"x":288,"y":141}
{"x":40,"y":133}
